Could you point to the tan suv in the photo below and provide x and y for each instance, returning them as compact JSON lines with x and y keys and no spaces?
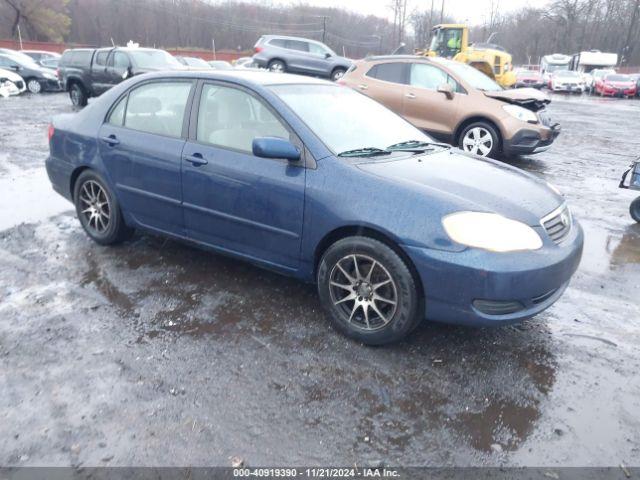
{"x":457,"y":104}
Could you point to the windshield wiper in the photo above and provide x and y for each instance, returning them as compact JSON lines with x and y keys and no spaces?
{"x":415,"y":146}
{"x":364,"y":152}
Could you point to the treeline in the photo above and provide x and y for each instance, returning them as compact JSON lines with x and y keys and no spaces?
{"x":564,"y":26}
{"x":197,"y":23}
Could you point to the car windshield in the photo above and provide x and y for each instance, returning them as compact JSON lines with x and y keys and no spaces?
{"x":474,"y":77}
{"x":346,"y":120}
{"x":196,"y":62}
{"x":617,"y":78}
{"x":153,"y":59}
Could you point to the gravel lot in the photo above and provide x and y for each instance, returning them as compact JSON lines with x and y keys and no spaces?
{"x":155,"y":353}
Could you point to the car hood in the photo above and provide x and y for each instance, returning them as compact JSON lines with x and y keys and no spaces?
{"x":620,"y":84}
{"x":472,"y":183}
{"x":525,"y":97}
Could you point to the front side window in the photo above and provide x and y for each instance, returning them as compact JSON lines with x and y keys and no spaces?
{"x":101,"y":58}
{"x":318,"y":49}
{"x":388,"y":72}
{"x":232,"y":118}
{"x":427,"y":76}
{"x":120,"y":61}
{"x":158,"y":108}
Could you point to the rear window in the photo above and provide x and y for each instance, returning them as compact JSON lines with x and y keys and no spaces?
{"x":389,"y":72}
{"x":76,"y":57}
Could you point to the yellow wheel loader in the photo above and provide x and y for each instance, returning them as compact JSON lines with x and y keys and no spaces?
{"x":452,"y":41}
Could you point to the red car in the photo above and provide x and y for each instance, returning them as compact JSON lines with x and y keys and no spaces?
{"x":528,"y":78}
{"x":616,"y":85}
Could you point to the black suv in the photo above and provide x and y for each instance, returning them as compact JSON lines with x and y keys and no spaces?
{"x":89,"y":72}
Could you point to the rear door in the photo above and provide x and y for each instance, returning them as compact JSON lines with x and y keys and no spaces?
{"x":141,"y":145}
{"x":424,"y":106}
{"x":232,"y":199}
{"x":385,"y":83}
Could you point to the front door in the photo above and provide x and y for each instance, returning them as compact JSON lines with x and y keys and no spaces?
{"x":232,"y":199}
{"x":424,"y":106}
{"x":141,"y":146}
{"x":118,"y":67}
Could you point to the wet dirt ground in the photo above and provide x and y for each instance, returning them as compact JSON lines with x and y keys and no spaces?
{"x":155,"y":353}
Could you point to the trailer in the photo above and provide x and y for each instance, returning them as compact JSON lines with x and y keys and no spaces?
{"x":586,"y":62}
{"x":552,"y":63}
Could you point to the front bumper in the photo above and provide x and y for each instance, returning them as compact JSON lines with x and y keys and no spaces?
{"x":619,"y":92}
{"x":534,"y":139}
{"x":568,"y":88}
{"x":454,"y":282}
{"x":49,"y":85}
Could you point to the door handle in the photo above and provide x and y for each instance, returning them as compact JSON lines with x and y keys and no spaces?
{"x":196,"y":159}
{"x":362,"y":86}
{"x":410,"y":95}
{"x":111,"y":140}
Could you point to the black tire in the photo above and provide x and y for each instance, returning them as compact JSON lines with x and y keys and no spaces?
{"x":33,"y":85}
{"x":78,"y":95}
{"x":115,"y":230}
{"x":496,"y":140}
{"x":634,"y":209}
{"x":400,"y":319}
{"x":337,"y":74}
{"x":277,"y":66}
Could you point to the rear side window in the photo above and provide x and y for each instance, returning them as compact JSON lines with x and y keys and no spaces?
{"x":297,"y":45}
{"x":389,"y":72}
{"x":157,"y":108}
{"x":117,"y":114}
{"x":278,"y":42}
{"x":101,"y":58}
{"x":80,"y":58}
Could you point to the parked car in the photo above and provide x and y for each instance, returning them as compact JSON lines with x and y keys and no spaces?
{"x":51,"y":63}
{"x":89,"y":72}
{"x":457,"y":104}
{"x":636,"y":77}
{"x":17,"y":81}
{"x":567,"y":81}
{"x":220,"y":65}
{"x":43,"y":58}
{"x":36,"y":78}
{"x":244,"y":62}
{"x":307,"y":178}
{"x":299,"y":55}
{"x":193,"y":62}
{"x":528,"y":78}
{"x":616,"y":85}
{"x":597,"y":76}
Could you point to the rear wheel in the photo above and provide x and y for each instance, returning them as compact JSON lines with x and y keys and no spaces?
{"x":634,"y":209}
{"x":480,"y":138}
{"x":98,"y":210}
{"x":277,"y":66}
{"x":34,"y":86}
{"x":368,"y":291}
{"x":77,"y":95}
{"x":337,"y":74}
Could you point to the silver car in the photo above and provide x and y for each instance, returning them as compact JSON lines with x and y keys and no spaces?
{"x":299,"y":55}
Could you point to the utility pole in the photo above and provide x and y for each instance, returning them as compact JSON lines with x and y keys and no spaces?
{"x":442,"y":12}
{"x":324,"y":27}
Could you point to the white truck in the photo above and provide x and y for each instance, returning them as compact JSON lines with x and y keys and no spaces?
{"x":586,"y":62}
{"x":552,"y":63}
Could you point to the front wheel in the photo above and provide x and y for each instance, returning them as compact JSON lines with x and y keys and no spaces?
{"x":368,"y":291}
{"x":77,"y":95}
{"x":98,"y":210}
{"x":634,"y":209}
{"x":34,"y":86}
{"x":337,"y":74}
{"x":480,"y":138}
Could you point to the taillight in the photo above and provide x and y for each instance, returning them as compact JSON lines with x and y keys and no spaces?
{"x":257,"y":49}
{"x":51,"y":131}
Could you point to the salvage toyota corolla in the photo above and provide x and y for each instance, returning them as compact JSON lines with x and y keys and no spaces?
{"x":319,"y":182}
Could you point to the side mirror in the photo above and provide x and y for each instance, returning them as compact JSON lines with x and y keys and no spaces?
{"x":17,"y":68}
{"x":126,"y":73}
{"x":327,"y":55}
{"x":274,"y":147}
{"x":447,"y":90}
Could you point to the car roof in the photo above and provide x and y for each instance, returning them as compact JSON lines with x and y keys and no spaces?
{"x":288,"y":37}
{"x":247,"y":77}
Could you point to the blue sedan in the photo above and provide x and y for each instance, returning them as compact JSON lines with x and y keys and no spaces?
{"x":317,"y":181}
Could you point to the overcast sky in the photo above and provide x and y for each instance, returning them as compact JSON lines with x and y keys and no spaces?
{"x":471,"y":11}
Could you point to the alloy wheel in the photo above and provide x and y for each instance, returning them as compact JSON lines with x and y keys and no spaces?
{"x":363,"y":291}
{"x":277,"y":67}
{"x":479,"y":141}
{"x":34,"y":86}
{"x":95,"y":206}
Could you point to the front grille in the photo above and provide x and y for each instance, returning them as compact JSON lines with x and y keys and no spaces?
{"x":558,"y":224}
{"x":541,"y":298}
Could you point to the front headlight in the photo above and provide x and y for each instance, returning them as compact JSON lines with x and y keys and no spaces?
{"x":520,"y":113}
{"x":554,"y":188}
{"x":490,"y":231}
